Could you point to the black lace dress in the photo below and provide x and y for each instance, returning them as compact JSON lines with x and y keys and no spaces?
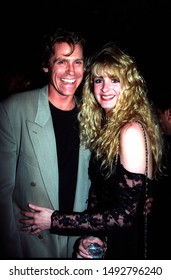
{"x":114,"y":205}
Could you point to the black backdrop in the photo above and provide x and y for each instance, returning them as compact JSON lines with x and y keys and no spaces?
{"x":139,"y":27}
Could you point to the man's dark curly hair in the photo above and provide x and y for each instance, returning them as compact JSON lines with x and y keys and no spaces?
{"x":59,"y":36}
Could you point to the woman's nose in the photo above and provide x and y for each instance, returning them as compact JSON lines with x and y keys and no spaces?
{"x":104,"y":89}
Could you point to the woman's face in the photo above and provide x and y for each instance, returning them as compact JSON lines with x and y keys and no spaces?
{"x":107,"y":91}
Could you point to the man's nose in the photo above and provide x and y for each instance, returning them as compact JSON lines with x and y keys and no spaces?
{"x":70,"y":68}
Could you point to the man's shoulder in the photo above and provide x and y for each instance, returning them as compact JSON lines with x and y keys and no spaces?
{"x":24,"y":97}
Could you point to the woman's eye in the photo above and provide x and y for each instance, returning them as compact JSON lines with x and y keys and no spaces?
{"x":115,"y":81}
{"x":97,"y":81}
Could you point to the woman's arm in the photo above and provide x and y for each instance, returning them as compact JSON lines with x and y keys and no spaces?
{"x":129,"y":191}
{"x":129,"y":187}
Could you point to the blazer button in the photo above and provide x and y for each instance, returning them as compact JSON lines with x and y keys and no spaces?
{"x":33,"y":184}
{"x":40,"y":236}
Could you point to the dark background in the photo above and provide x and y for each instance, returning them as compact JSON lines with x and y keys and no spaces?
{"x":141,"y":28}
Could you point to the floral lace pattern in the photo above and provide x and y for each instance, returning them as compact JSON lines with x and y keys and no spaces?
{"x":113,"y":202}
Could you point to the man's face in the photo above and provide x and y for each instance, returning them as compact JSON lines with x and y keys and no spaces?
{"x":66,"y":72}
{"x":165,"y":121}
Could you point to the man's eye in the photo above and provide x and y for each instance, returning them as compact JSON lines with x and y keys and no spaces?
{"x":79,"y":62}
{"x":60,"y":61}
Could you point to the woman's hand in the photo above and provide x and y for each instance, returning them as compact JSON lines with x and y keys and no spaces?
{"x":38,"y":219}
{"x":85,"y":242}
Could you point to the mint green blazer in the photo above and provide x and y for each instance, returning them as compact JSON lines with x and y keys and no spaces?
{"x":29,"y":174}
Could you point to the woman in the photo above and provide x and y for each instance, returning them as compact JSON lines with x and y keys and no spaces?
{"x":119,"y":126}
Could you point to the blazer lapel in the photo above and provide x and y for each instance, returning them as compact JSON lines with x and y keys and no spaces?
{"x":43,"y":139}
{"x":83,"y":181}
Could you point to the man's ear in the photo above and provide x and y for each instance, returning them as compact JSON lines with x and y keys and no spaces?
{"x":168,"y":114}
{"x":169,"y":111}
{"x":45,"y":69}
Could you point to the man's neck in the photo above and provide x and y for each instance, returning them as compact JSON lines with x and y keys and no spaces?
{"x":65,"y":103}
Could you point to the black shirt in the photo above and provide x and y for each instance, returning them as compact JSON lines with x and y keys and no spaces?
{"x":66,"y":130}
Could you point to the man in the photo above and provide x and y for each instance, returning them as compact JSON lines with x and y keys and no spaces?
{"x":160,"y":215}
{"x":40,"y":158}
{"x":164,"y":113}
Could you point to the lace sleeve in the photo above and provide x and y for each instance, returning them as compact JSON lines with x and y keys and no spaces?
{"x":92,"y":200}
{"x":129,"y":190}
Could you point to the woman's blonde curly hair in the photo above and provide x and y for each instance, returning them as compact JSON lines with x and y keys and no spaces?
{"x":100,"y":131}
